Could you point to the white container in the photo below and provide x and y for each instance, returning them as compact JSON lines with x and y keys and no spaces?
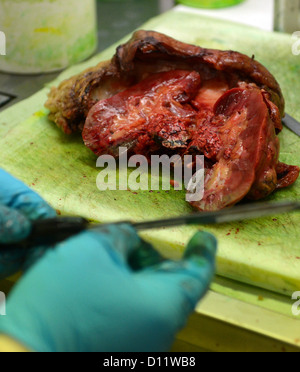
{"x":46,"y":35}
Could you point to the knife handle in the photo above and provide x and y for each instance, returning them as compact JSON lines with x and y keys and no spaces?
{"x":50,"y":232}
{"x":55,"y":230}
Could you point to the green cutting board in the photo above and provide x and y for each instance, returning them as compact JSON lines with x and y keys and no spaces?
{"x":264,"y":252}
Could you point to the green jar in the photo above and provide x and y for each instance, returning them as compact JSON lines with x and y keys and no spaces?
{"x":46,"y":35}
{"x":209,"y":3}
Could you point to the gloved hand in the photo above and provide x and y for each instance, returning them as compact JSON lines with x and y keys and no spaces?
{"x":18,"y":206}
{"x":83,"y":295}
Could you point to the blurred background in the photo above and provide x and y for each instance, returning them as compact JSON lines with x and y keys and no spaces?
{"x":270,"y":15}
{"x":277,"y":15}
{"x":99,"y":24}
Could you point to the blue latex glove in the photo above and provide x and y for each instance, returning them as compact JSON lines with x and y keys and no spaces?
{"x":83,"y":296}
{"x":18,"y":206}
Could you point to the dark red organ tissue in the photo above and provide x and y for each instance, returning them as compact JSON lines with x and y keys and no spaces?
{"x":160,"y":96}
{"x":234,"y":128}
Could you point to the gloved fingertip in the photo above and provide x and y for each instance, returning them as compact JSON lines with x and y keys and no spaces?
{"x":202,"y":245}
{"x":16,"y":195}
{"x":33,"y":206}
{"x":14,"y":226}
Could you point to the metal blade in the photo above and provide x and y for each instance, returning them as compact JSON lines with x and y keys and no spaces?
{"x":53,"y":231}
{"x":292,"y":124}
{"x":237,"y":213}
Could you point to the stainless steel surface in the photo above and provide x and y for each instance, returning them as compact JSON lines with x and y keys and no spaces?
{"x":22,"y":86}
{"x":116,"y":19}
{"x":4,"y":99}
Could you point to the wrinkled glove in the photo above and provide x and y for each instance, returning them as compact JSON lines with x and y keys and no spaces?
{"x":84,"y":296}
{"x":18,"y":206}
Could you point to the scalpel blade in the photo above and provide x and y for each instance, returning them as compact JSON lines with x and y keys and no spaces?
{"x":292,"y":124}
{"x":237,"y":213}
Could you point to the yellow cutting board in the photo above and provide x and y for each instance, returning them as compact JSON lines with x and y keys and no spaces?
{"x":264,"y":252}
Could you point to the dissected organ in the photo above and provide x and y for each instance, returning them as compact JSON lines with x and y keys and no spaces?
{"x":158,"y":95}
{"x":153,"y":114}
